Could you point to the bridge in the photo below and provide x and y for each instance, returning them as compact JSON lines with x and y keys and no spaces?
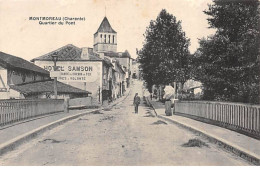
{"x":198,"y":133}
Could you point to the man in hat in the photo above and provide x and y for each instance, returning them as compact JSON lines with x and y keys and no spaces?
{"x":136,"y":102}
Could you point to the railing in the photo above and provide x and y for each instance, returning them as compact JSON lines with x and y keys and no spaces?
{"x":16,"y":110}
{"x":243,"y":117}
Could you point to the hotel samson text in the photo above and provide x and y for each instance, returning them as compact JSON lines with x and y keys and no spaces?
{"x":74,"y":72}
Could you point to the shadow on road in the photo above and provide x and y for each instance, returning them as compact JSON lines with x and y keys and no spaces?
{"x":195,"y":143}
{"x":50,"y":141}
{"x":159,"y":122}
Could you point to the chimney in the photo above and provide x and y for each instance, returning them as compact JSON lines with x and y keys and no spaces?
{"x":90,"y":50}
{"x":84,"y":53}
{"x":101,"y":55}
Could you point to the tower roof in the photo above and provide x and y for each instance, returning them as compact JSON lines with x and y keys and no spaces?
{"x":105,"y":27}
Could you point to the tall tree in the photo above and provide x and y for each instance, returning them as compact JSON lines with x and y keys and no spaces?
{"x":227,"y":63}
{"x":164,"y":56}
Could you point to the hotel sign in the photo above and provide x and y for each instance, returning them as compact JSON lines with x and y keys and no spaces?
{"x":73,"y":71}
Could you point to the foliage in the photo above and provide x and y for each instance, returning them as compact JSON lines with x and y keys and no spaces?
{"x":227,"y":63}
{"x":164,"y":56}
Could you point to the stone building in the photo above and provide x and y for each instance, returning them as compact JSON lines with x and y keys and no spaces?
{"x":135,"y":70}
{"x":14,"y":71}
{"x":118,"y":79}
{"x":21,"y":79}
{"x":105,"y":43}
{"x":105,"y":39}
{"x":81,"y":68}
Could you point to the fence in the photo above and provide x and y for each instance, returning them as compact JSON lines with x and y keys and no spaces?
{"x":16,"y":110}
{"x":243,"y":117}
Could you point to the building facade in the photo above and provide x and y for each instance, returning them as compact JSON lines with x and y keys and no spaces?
{"x":79,"y":67}
{"x":135,"y":70}
{"x":20,"y":79}
{"x":119,"y":79}
{"x":17,"y":71}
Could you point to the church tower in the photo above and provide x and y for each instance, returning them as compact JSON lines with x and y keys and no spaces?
{"x":105,"y":39}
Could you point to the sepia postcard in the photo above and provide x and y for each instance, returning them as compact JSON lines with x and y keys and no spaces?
{"x":129,"y":83}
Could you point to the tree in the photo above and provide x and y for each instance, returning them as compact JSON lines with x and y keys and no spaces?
{"x":227,"y":63}
{"x":164,"y":56}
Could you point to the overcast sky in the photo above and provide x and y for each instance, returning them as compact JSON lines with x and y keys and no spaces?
{"x":27,"y":39}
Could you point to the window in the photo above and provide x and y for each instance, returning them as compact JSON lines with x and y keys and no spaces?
{"x":108,"y":38}
{"x":105,"y":38}
{"x":34,"y":77}
{"x":113,"y":38}
{"x":101,"y":37}
{"x":23,"y":77}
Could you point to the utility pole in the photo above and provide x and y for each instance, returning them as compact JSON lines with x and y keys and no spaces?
{"x":55,"y":58}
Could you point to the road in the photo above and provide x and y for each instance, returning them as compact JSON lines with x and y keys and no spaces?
{"x":117,"y":136}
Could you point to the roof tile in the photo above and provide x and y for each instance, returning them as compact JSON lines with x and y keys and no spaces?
{"x":7,"y":60}
{"x":68,"y":53}
{"x":47,"y":86}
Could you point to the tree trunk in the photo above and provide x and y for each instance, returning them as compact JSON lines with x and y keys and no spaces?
{"x":175,"y":90}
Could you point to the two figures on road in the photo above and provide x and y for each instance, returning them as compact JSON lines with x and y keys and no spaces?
{"x":136,"y":102}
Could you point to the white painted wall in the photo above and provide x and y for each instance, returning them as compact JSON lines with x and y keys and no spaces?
{"x":9,"y":93}
{"x":3,"y":73}
{"x":92,"y":83}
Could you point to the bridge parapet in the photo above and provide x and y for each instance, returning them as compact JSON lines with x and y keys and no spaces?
{"x":16,"y":110}
{"x":244,"y":118}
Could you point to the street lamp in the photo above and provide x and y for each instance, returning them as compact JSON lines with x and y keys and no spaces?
{"x":54,"y":59}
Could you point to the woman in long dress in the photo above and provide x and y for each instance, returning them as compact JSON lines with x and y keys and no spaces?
{"x":169,"y":93}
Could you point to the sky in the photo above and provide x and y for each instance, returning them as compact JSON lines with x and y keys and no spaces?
{"x":26,"y":38}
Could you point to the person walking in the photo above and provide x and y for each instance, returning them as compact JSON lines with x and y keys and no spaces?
{"x":136,"y":102}
{"x":155,"y":94}
{"x":169,"y":94}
